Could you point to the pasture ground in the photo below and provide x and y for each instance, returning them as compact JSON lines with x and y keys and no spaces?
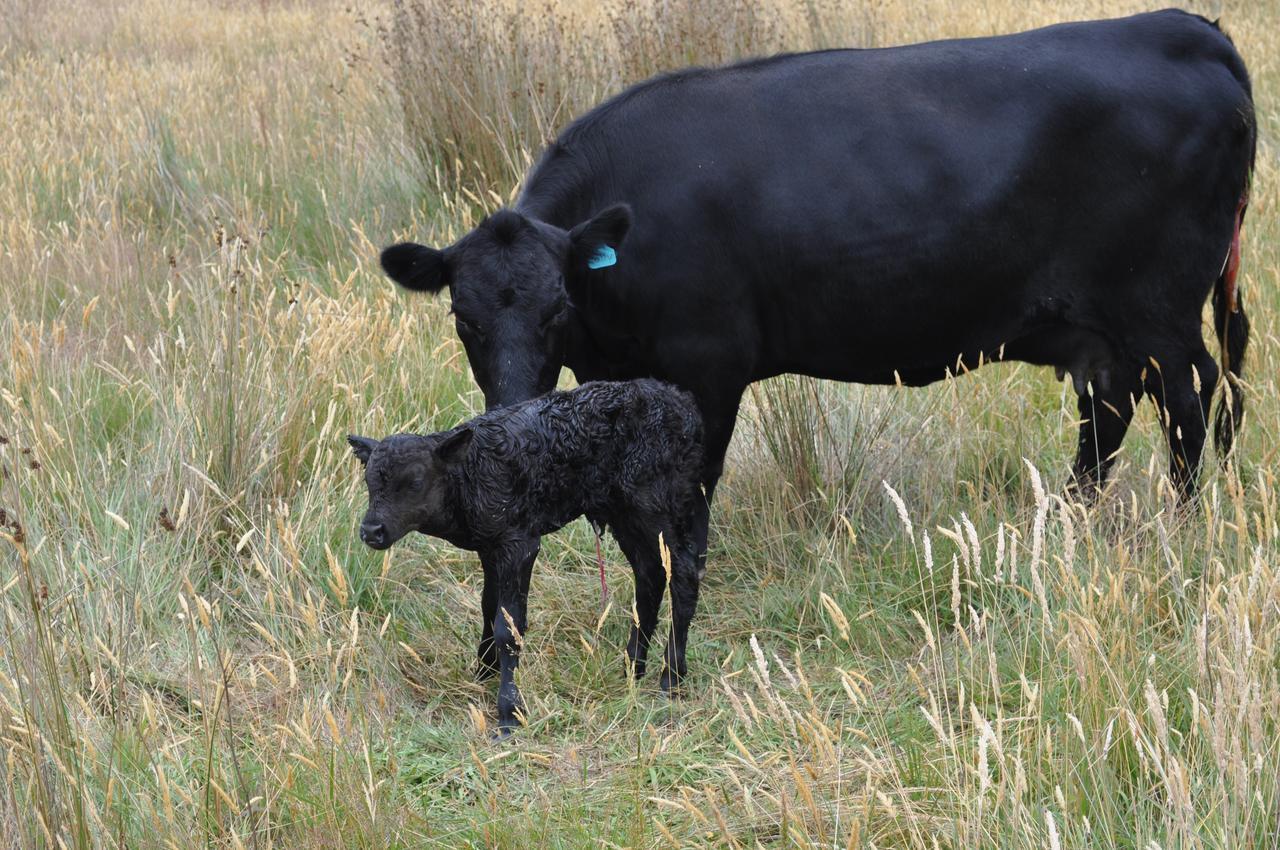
{"x":905,"y":639}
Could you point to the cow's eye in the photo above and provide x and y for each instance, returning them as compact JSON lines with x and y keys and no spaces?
{"x":465,"y":328}
{"x":555,"y":317}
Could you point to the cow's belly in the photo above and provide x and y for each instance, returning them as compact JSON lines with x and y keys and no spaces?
{"x":921,"y":326}
{"x":1069,"y":348}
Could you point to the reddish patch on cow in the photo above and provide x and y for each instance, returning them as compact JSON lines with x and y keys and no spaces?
{"x":1233,"y":256}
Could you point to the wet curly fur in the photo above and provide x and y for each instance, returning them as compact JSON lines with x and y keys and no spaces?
{"x":627,"y":455}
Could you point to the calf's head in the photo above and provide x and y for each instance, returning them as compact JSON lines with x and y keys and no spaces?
{"x":507,"y":283}
{"x":409,"y":484}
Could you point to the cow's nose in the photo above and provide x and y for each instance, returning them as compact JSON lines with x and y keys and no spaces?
{"x":373,"y":533}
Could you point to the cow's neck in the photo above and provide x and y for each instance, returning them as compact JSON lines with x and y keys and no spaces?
{"x":561,"y":193}
{"x":560,"y":189}
{"x":594,"y":353}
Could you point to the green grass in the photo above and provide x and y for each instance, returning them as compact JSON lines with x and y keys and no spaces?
{"x":192,"y":199}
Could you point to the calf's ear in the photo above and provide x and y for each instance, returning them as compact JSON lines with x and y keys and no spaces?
{"x":453,"y":448}
{"x":415,"y":266}
{"x":362,"y":447}
{"x":594,"y":243}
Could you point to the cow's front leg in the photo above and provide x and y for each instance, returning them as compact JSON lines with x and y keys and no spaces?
{"x":512,"y":565}
{"x":487,"y":652}
{"x":685,"y":580}
{"x":720,"y":415}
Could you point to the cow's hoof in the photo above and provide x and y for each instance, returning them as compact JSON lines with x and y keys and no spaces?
{"x":502,"y":733}
{"x":1083,"y":490}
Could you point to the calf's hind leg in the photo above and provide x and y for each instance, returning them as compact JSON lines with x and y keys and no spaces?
{"x":685,"y":582}
{"x":641,"y":551}
{"x":487,"y":651}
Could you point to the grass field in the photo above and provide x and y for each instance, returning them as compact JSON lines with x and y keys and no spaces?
{"x":905,"y":638}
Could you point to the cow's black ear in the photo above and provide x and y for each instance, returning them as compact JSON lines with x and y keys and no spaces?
{"x":594,"y":244}
{"x":362,"y":447}
{"x":415,"y":266}
{"x":453,"y":448}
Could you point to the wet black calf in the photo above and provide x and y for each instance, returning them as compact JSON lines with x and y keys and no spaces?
{"x":626,"y":455}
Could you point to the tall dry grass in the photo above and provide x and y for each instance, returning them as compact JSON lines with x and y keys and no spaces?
{"x":195,"y":650}
{"x":485,"y":85}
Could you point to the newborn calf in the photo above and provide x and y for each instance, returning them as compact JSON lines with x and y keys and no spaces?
{"x":625,"y":455}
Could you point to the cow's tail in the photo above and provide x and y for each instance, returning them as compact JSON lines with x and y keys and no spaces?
{"x":1232,"y":326}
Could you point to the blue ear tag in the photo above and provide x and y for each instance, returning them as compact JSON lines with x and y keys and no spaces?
{"x":604,"y":256}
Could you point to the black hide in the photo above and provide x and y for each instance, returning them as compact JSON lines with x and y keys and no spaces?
{"x":1064,"y":197}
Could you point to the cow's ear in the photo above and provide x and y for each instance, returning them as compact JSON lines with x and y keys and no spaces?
{"x":415,"y":266}
{"x":453,"y":448}
{"x":594,"y":244}
{"x":362,"y":447}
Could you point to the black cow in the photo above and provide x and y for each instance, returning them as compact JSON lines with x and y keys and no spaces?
{"x":627,"y":455}
{"x":1066,"y":196}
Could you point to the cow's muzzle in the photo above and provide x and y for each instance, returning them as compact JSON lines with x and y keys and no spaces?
{"x":374,"y":535}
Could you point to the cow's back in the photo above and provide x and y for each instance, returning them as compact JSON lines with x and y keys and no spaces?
{"x":845,"y":206}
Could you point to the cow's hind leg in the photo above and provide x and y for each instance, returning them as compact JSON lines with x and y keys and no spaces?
{"x":1105,"y":413}
{"x":1182,"y":388}
{"x":639,"y":542}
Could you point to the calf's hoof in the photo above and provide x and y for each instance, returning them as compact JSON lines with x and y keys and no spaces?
{"x":672,"y":681}
{"x":507,"y":724}
{"x":486,"y":661}
{"x":637,"y":653}
{"x":511,"y":711}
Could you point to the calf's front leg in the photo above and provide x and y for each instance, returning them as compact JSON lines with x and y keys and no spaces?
{"x":511,"y":564}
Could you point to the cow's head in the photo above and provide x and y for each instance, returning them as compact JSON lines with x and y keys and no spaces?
{"x":506,"y":280}
{"x":408,"y":480}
